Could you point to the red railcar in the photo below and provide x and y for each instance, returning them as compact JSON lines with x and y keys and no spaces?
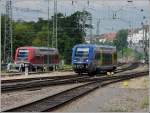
{"x":36,"y":57}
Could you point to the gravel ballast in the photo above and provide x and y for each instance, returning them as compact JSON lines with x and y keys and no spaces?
{"x":13,"y":99}
{"x":113,"y":98}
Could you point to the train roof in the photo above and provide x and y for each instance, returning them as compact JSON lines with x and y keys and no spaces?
{"x":95,"y":45}
{"x":33,"y":47}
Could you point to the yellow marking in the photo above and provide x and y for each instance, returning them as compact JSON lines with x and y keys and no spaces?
{"x":125,"y":84}
{"x":108,"y":73}
{"x":112,"y":73}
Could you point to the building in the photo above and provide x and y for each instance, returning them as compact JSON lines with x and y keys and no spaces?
{"x":137,"y":38}
{"x":102,"y":38}
{"x":106,"y":37}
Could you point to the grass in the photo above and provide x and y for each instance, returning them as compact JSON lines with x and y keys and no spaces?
{"x":65,"y":67}
{"x":145,"y":102}
{"x":146,"y":81}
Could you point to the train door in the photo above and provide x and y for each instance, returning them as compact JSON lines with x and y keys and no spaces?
{"x":50,"y":59}
{"x":97,"y":58}
{"x":46,"y":59}
{"x":114,"y":57}
{"x":107,"y":57}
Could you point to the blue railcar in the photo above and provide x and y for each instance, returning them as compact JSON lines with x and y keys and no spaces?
{"x":90,"y":58}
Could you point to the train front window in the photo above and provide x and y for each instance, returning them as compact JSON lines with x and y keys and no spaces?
{"x":82,"y":52}
{"x":22,"y":54}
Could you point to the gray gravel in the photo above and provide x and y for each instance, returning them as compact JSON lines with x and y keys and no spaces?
{"x":109,"y":100}
{"x":54,"y":73}
{"x":114,"y":98}
{"x":13,"y":99}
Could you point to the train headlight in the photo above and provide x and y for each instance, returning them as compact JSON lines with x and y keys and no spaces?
{"x":74,"y":60}
{"x":87,"y":60}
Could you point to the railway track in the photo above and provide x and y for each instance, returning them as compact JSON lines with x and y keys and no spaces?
{"x":40,"y":83}
{"x":52,"y":102}
{"x":39,"y":72}
{"x":120,"y":64}
{"x":22,"y":73}
{"x":131,"y":66}
{"x":37,"y":78}
{"x":57,"y":80}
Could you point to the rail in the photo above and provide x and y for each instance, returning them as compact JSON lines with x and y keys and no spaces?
{"x":52,"y":102}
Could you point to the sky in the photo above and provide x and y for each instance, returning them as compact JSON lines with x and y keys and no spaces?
{"x":129,"y":14}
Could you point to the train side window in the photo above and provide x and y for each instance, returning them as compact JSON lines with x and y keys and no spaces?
{"x":115,"y":57}
{"x":107,"y":58}
{"x":97,"y":56}
{"x":45,"y":59}
{"x":38,"y":57}
{"x":50,"y":58}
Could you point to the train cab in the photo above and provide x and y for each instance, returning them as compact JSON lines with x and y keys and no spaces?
{"x":88,"y":58}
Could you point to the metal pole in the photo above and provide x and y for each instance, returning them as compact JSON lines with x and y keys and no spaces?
{"x":146,"y":43}
{"x":98,"y":23}
{"x":8,"y":47}
{"x":143,"y":41}
{"x":84,"y":21}
{"x":48,"y":34}
{"x":0,"y":35}
{"x":53,"y":26}
{"x":4,"y":54}
{"x":56,"y":22}
{"x":11,"y":43}
{"x":26,"y":69}
{"x":90,"y":19}
{"x":91,"y":34}
{"x":48,"y":26}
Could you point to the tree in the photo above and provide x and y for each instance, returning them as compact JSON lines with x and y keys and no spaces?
{"x":71,"y":30}
{"x":121,"y":40}
{"x":2,"y":34}
{"x":41,"y":37}
{"x":23,"y":34}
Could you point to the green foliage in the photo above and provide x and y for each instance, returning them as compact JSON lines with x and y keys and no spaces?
{"x":139,"y":56}
{"x":130,"y":53}
{"x":2,"y":33}
{"x":127,"y":52}
{"x":70,"y":32}
{"x":121,"y":40}
{"x":41,"y":37}
{"x":145,"y":102}
{"x":23,"y":34}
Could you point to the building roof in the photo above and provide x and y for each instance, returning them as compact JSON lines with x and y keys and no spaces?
{"x":108,"y":36}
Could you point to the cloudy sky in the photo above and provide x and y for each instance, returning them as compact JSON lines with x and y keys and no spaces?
{"x":129,"y":14}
